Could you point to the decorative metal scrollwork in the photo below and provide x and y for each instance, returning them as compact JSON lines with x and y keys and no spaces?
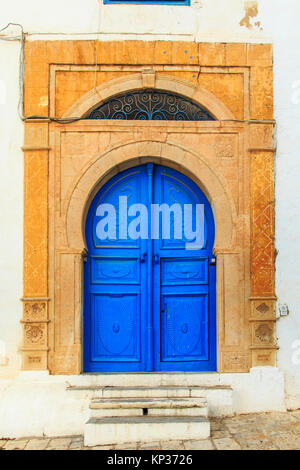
{"x":151,"y":106}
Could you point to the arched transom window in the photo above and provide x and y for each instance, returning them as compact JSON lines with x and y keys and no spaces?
{"x":149,"y":105}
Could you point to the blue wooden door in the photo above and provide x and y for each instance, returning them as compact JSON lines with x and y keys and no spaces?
{"x":183,"y":282}
{"x":149,"y":301}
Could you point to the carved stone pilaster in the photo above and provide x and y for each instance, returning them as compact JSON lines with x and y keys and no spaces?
{"x":263,"y":337}
{"x":35,"y":333}
{"x":35,"y":280}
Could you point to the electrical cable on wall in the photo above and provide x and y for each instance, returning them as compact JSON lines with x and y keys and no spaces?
{"x":21,"y":104}
{"x":21,"y":38}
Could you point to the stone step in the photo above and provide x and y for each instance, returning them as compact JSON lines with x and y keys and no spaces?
{"x":219,"y":397}
{"x":147,"y":403}
{"x":148,"y":406}
{"x":121,"y":430}
{"x":150,"y":379}
{"x":152,"y":392}
{"x":187,"y":390}
{"x":201,"y":412}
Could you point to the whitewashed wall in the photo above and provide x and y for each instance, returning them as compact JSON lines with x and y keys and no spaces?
{"x":206,"y":20}
{"x":11,"y":209}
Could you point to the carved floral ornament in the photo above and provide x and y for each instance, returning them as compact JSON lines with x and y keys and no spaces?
{"x":35,"y":309}
{"x":264,"y":333}
{"x":34,"y":333}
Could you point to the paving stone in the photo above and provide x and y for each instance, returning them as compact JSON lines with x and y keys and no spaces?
{"x":281,"y":418}
{"x":2,"y":443}
{"x":220,"y":434}
{"x":129,"y":446}
{"x":257,"y":443}
{"x":150,"y":446}
{"x":172,"y":445}
{"x":60,"y":443}
{"x":238,"y":429}
{"x":296,"y":414}
{"x":37,"y":444}
{"x":287,"y":441}
{"x":77,"y":439}
{"x":241,"y":419}
{"x":99,"y":448}
{"x":226,"y":443}
{"x":295,"y":428}
{"x":270,"y":431}
{"x":16,"y":444}
{"x":199,"y":445}
{"x":76,"y":445}
{"x":216,"y":424}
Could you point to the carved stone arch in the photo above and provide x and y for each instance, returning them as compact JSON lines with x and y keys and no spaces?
{"x":98,"y":95}
{"x":135,"y":153}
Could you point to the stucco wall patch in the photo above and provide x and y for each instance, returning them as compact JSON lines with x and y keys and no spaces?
{"x":251,"y":12}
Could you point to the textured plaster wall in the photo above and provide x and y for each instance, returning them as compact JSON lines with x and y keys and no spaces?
{"x":11,"y":211}
{"x":206,"y":20}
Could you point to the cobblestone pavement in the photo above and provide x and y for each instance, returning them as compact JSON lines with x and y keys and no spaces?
{"x":262,"y":431}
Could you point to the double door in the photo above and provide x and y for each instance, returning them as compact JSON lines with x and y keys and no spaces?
{"x":149,"y":289}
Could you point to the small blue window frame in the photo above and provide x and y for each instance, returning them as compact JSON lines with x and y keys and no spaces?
{"x":148,"y":2}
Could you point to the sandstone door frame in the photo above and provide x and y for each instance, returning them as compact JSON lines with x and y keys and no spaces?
{"x":66,"y":164}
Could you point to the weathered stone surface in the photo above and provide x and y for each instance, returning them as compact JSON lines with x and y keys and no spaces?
{"x":198,"y":445}
{"x":150,"y":446}
{"x":275,"y":431}
{"x":128,"y":446}
{"x":76,"y":443}
{"x":172,"y":445}
{"x":59,"y":443}
{"x":18,"y":444}
{"x":100,"y":448}
{"x":226,"y":443}
{"x":220,"y":434}
{"x":2,"y":443}
{"x":287,"y":441}
{"x":37,"y":444}
{"x":296,"y":414}
{"x":256,"y":442}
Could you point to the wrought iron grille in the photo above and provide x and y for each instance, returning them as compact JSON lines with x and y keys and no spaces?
{"x":151,"y":106}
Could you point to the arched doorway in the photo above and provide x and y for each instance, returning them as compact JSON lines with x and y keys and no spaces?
{"x":149,"y":289}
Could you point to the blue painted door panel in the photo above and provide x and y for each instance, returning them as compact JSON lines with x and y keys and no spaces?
{"x":107,"y":343}
{"x":115,"y":278}
{"x":184,"y":323}
{"x":149,"y":303}
{"x":183,"y":285}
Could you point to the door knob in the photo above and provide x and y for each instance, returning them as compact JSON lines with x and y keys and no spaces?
{"x":143,"y":258}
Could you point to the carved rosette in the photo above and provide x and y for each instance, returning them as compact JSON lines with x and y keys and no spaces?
{"x":35,"y":334}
